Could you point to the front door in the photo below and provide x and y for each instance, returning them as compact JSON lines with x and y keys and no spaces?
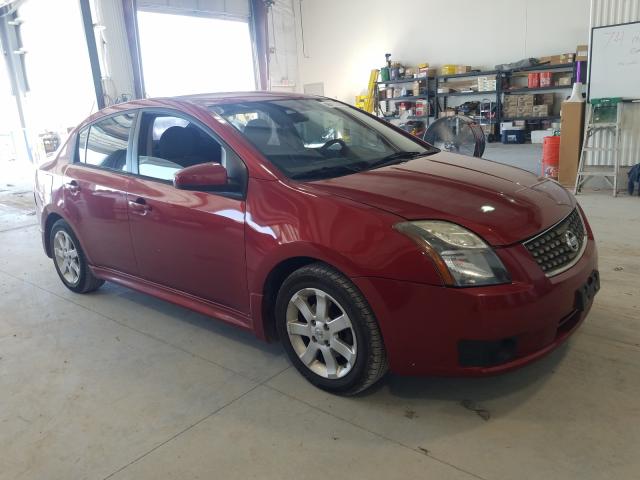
{"x":95,"y":201}
{"x":190,"y":241}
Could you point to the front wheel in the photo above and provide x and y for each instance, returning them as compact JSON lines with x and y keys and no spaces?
{"x":329,"y":330}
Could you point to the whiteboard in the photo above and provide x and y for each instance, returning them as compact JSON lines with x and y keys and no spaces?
{"x":614,"y":66}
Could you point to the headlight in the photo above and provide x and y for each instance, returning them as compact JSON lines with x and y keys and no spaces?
{"x":461,"y":257}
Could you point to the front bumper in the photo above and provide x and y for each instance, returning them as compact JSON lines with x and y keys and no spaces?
{"x":435,"y":330}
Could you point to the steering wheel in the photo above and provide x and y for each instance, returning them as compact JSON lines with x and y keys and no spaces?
{"x":335,"y":141}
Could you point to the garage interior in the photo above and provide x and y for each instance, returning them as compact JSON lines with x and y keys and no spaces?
{"x":117,"y":384}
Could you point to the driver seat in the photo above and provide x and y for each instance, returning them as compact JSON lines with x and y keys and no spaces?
{"x":258,"y":131}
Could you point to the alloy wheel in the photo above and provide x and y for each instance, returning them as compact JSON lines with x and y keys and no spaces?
{"x":67,"y":258}
{"x":321,"y":333}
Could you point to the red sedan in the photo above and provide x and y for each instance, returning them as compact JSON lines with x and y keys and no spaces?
{"x":301,"y":218}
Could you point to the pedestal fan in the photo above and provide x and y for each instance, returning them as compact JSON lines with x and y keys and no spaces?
{"x":457,"y":134}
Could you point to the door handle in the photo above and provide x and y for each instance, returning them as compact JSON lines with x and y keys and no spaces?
{"x":72,"y":186}
{"x":139,"y":206}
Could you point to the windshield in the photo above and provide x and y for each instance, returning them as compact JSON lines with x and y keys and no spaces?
{"x":319,"y":138}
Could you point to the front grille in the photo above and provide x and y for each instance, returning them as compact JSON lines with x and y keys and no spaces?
{"x":560,"y":247}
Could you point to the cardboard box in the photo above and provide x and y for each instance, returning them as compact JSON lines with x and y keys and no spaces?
{"x":524,"y":111}
{"x":582,"y":53}
{"x":558,"y":59}
{"x":510,"y":112}
{"x":540,"y":110}
{"x":564,"y":80}
{"x":570,"y":142}
{"x":567,"y":57}
{"x":544,"y":99}
{"x":525,"y":100}
{"x":537,"y":136}
{"x":449,"y":112}
{"x":486,"y":85}
{"x":506,"y":126}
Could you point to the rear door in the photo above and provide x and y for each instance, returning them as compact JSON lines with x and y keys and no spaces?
{"x":192,"y":241}
{"x":95,"y":201}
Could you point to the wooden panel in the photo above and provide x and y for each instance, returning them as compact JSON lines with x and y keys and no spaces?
{"x":570,"y":142}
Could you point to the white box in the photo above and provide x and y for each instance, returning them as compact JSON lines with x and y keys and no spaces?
{"x":506,"y":126}
{"x":537,"y":136}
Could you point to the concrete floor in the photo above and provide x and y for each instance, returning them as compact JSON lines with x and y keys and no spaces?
{"x":527,"y":156}
{"x":119,"y":385}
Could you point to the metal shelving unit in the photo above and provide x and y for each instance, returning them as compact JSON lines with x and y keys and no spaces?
{"x":545,"y":67}
{"x":428,"y":95}
{"x":490,"y":97}
{"x":461,"y":94}
{"x":503,"y":78}
{"x":536,"y":89}
{"x":530,"y":119}
{"x":438,"y":101}
{"x":493,"y":95}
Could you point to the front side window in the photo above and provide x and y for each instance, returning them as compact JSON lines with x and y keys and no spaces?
{"x":168,"y":143}
{"x":107,"y":142}
{"x":318,"y":138}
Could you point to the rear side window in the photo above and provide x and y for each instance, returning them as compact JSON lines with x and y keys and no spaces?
{"x":107,"y":142}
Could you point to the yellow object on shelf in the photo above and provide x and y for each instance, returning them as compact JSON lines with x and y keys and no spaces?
{"x":448,"y":69}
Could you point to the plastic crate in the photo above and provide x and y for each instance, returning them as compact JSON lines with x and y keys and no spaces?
{"x":513,"y":136}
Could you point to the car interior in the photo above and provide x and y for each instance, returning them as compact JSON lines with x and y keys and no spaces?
{"x":166,"y":145}
{"x":300,"y":140}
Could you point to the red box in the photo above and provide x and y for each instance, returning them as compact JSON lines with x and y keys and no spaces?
{"x":534,"y":80}
{"x":545,"y":79}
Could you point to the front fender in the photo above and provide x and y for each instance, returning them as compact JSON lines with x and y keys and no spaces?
{"x":284,"y":222}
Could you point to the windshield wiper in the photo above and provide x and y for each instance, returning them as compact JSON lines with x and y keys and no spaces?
{"x":338,"y":170}
{"x":395,"y":158}
{"x":334,"y":170}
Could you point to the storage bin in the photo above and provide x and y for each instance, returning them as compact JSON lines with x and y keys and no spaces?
{"x":513,"y":136}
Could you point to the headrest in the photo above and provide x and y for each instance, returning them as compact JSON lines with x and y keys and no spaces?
{"x":258,"y":131}
{"x":177,"y":142}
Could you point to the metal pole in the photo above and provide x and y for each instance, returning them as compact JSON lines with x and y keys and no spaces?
{"x":129,"y":8}
{"x":17,"y":89}
{"x":89,"y":34}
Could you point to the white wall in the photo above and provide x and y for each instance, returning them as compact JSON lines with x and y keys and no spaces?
{"x":345,"y":39}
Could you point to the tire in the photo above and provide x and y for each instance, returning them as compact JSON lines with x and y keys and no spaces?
{"x":70,"y":261}
{"x":345,"y":356}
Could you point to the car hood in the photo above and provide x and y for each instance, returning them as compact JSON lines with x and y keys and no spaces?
{"x":502,"y":204}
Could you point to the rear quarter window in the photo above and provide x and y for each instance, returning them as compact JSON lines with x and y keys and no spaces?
{"x":104,"y":143}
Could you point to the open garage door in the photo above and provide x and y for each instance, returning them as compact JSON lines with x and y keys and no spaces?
{"x":195,"y":47}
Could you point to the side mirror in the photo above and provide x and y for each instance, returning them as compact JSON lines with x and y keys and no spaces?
{"x":205,"y":176}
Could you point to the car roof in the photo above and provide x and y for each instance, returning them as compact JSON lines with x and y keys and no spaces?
{"x":230,"y":97}
{"x":209,"y":99}
{"x":202,"y":100}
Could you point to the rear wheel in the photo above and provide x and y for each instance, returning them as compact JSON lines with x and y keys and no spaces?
{"x":329,"y":331}
{"x":70,"y":261}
